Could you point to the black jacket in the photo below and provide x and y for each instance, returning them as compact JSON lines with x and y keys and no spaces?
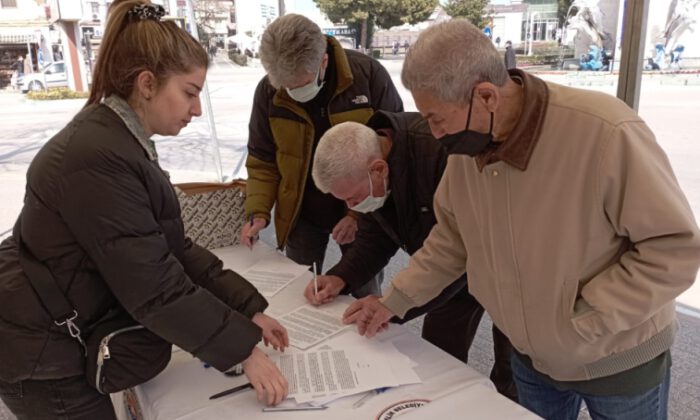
{"x":106,"y":222}
{"x":416,"y":163}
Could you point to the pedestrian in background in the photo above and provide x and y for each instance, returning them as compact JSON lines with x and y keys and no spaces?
{"x":19,"y":65}
{"x":509,"y":56}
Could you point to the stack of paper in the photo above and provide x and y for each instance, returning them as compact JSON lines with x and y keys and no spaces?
{"x":349,"y":366}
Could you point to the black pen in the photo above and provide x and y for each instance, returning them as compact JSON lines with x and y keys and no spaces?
{"x":255,"y":237}
{"x":231,"y":391}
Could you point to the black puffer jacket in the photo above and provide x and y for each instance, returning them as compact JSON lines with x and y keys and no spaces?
{"x":106,"y":222}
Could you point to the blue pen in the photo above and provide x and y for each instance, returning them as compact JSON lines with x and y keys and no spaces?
{"x":369,"y":395}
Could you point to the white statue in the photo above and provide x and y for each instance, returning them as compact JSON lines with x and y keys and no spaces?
{"x":680,"y":19}
{"x":588,"y":19}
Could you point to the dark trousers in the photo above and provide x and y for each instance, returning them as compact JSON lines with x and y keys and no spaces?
{"x":57,"y":399}
{"x":307,"y":244}
{"x":451,"y":322}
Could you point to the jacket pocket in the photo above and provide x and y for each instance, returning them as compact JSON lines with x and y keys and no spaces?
{"x":584,"y":320}
{"x":569,"y":295}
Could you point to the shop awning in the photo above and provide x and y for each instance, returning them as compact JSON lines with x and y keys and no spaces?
{"x":24,"y":31}
{"x":16,"y":39}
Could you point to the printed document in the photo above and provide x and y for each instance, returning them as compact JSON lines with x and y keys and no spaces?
{"x":308,"y":325}
{"x":318,"y":374}
{"x":323,"y":375}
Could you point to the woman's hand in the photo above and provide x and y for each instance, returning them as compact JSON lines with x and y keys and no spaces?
{"x":273,"y":332}
{"x":265,"y":377}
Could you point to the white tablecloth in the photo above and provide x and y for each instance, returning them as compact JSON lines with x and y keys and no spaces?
{"x":453,"y":389}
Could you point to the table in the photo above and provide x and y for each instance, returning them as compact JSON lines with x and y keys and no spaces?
{"x":182,"y":390}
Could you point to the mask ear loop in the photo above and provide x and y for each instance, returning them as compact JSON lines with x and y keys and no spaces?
{"x":319,"y":82}
{"x":371,"y":188}
{"x":469,"y":114}
{"x":321,"y":76}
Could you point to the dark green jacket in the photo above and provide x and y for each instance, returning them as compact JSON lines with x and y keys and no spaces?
{"x":105,"y":220}
{"x":281,"y":139}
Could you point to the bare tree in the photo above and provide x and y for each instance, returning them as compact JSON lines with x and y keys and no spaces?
{"x":207,"y":12}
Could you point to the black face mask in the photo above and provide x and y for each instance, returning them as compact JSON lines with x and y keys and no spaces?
{"x":468,"y":142}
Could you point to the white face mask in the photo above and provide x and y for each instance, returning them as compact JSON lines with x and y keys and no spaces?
{"x":308,"y":91}
{"x":371,"y":203}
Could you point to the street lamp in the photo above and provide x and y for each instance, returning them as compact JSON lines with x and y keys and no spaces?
{"x":532,"y":29}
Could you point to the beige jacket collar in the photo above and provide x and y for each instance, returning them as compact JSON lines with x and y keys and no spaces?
{"x":517,"y":149}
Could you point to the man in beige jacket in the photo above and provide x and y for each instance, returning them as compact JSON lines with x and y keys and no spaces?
{"x":568,"y":219}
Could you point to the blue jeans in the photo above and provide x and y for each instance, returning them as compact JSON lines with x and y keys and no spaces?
{"x":57,"y":399}
{"x":538,"y":395}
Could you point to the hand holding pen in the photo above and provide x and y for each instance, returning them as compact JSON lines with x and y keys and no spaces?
{"x":323,"y":289}
{"x":250,"y":231}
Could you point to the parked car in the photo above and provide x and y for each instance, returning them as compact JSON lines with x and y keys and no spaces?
{"x":52,"y":75}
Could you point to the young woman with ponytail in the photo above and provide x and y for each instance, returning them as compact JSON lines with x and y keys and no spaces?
{"x":101,"y":215}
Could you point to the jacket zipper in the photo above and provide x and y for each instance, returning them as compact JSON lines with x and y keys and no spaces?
{"x":311,"y":157}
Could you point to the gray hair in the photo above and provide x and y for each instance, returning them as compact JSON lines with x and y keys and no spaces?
{"x":449,"y":59}
{"x":344,"y":152}
{"x":290,"y":45}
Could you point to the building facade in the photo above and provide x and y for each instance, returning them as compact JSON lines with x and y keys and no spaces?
{"x":25,"y":32}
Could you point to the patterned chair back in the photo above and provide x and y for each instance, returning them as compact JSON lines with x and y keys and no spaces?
{"x":212,"y":213}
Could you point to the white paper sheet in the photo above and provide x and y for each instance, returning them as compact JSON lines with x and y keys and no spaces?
{"x":401,"y":365}
{"x":309,"y":325}
{"x":330,"y":374}
{"x":373,"y":351}
{"x":271,"y":275}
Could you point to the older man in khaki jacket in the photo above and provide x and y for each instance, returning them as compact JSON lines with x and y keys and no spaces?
{"x":568,"y":218}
